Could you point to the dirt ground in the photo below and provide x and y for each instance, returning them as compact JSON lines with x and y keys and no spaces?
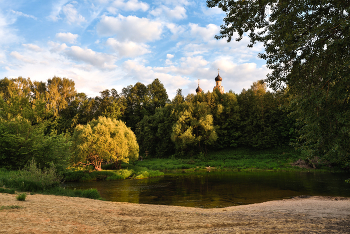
{"x":55,"y":214}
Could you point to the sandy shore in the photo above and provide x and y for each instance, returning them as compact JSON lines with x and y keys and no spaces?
{"x":55,"y":214}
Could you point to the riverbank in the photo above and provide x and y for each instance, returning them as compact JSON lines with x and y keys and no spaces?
{"x":55,"y":214}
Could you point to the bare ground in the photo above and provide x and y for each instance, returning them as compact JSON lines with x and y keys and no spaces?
{"x":56,"y":214}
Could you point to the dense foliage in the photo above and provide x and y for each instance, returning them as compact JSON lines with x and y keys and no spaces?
{"x":103,"y":140}
{"x":99,"y":130}
{"x":307,"y":47}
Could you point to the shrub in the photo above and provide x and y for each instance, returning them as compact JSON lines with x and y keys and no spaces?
{"x":21,"y":197}
{"x":9,"y":191}
{"x":32,"y":178}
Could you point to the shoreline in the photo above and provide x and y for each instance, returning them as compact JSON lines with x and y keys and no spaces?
{"x":56,"y":214}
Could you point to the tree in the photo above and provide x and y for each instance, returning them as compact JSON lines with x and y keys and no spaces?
{"x":154,"y":134}
{"x":137,"y":100}
{"x":307,"y":47}
{"x":158,"y":95}
{"x":193,"y":129}
{"x":102,"y":140}
{"x":20,"y":142}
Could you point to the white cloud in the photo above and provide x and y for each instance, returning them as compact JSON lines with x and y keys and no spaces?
{"x":22,"y":14}
{"x":67,"y":37}
{"x":90,"y":79}
{"x":130,"y":28}
{"x":101,"y":60}
{"x":56,"y":9}
{"x":131,"y":5}
{"x":32,"y":47}
{"x":7,"y":33}
{"x":168,"y":60}
{"x":178,"y":12}
{"x":146,"y":74}
{"x":175,"y":29}
{"x":174,"y":2}
{"x":22,"y":58}
{"x":127,"y":48}
{"x":205,"y":33}
{"x":56,"y":47}
{"x":72,"y":14}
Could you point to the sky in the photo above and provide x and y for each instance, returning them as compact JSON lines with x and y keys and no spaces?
{"x":105,"y":44}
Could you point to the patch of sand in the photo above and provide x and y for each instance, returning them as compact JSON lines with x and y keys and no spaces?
{"x":56,"y":214}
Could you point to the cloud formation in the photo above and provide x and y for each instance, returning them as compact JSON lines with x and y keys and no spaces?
{"x":72,"y":14}
{"x":178,"y":12}
{"x":127,"y":48}
{"x":101,"y":60}
{"x":115,"y":43}
{"x":67,"y":37}
{"x":32,"y":47}
{"x":130,"y":28}
{"x":131,"y":5}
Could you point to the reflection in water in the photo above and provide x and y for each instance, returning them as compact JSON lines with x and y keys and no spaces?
{"x":216,"y":189}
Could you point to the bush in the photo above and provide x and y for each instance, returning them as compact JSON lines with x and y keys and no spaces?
{"x":21,"y":197}
{"x":32,"y":178}
{"x":9,"y":191}
{"x":147,"y":174}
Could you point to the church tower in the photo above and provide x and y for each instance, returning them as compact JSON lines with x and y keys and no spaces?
{"x":198,"y":90}
{"x":218,"y":86}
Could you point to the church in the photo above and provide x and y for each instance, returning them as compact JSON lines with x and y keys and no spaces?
{"x":218,"y":86}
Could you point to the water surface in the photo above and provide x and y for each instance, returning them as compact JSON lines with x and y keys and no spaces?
{"x":218,"y":189}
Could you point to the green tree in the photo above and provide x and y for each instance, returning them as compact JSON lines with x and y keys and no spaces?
{"x":154,"y":133}
{"x":307,"y":47}
{"x":20,"y":142}
{"x":193,"y":129}
{"x":158,"y":96}
{"x":137,"y":100}
{"x":102,"y":140}
{"x":60,"y":93}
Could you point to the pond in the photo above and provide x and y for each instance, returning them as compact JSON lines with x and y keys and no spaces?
{"x":220,"y":189}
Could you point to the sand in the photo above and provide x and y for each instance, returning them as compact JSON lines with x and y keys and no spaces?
{"x":56,"y":214}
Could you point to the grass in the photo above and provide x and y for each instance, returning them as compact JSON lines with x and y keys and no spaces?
{"x":6,"y":190}
{"x":229,"y":160}
{"x":127,"y":171}
{"x":10,"y":207}
{"x":32,"y":179}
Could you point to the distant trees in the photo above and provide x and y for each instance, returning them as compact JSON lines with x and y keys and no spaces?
{"x":264,"y":117}
{"x":39,"y":117}
{"x":102,"y":140}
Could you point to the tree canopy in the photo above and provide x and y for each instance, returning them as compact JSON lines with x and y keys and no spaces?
{"x":101,"y":140}
{"x":307,"y":47}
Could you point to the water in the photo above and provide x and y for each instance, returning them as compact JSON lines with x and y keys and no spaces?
{"x":216,"y":189}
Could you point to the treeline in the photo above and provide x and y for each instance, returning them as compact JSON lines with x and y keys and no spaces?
{"x":39,"y":118}
{"x":192,"y":125}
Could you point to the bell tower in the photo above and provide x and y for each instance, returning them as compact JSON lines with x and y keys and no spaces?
{"x":218,"y":86}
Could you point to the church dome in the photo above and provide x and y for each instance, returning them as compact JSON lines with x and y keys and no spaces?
{"x":198,"y":90}
{"x":218,"y":78}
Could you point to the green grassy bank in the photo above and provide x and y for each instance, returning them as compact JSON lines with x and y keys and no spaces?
{"x":128,"y":171}
{"x":238,"y":159}
{"x":34,"y":180}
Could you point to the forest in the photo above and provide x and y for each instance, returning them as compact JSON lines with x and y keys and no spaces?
{"x":40,"y":121}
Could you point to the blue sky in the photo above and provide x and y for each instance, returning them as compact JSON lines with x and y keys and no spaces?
{"x":104,"y":44}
